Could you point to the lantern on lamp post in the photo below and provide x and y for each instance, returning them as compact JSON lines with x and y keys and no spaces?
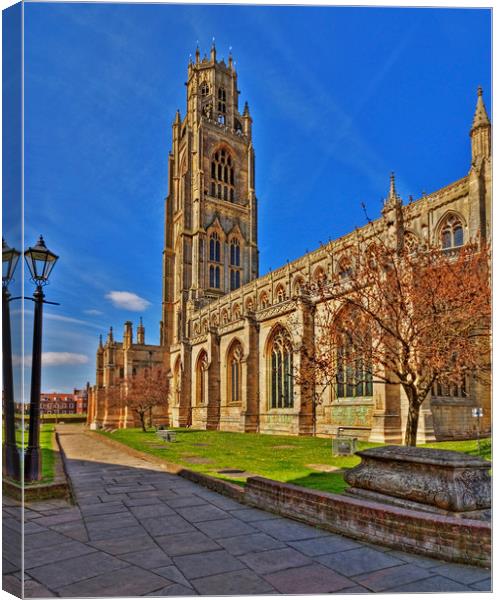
{"x":40,"y":261}
{"x":10,"y":257}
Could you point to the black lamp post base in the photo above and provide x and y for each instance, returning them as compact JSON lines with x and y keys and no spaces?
{"x":32,"y":465}
{"x":11,"y":462}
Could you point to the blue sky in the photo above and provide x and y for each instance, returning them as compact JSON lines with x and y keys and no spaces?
{"x":339,"y":97}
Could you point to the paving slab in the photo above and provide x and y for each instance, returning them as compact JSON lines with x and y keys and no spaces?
{"x":253,"y":542}
{"x":150,"y":558}
{"x":187,"y":543}
{"x":230,"y":584}
{"x":174,"y":590}
{"x":287,"y":530}
{"x":358,"y":561}
{"x":312,"y":579}
{"x":64,"y":572}
{"x":173,"y":574}
{"x":166,"y":525}
{"x":43,"y":556}
{"x":187,"y":500}
{"x":44,"y":539}
{"x":482,"y":586}
{"x":115,"y":533}
{"x":124,"y":545}
{"x":436,"y":583}
{"x":269,"y":561}
{"x":131,"y":581}
{"x":207,"y":512}
{"x":225,"y":528}
{"x":324,"y":545}
{"x":33,"y":589}
{"x":207,"y":563}
{"x":462,"y":573}
{"x":158,"y":511}
{"x":384,"y":579}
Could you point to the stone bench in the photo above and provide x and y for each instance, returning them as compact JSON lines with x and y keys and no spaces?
{"x":166,"y":435}
{"x":439,"y":481}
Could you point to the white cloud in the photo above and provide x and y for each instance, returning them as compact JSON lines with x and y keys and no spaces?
{"x":93,"y":311}
{"x":128,"y":300}
{"x":64,"y":319}
{"x":53,"y":359}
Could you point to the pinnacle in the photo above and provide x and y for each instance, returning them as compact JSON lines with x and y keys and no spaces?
{"x":392,"y":186}
{"x":480,"y":116}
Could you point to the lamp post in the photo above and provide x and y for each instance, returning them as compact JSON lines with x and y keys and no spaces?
{"x":40,"y":261}
{"x":10,"y":256}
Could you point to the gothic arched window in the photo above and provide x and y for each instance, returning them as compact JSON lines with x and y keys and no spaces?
{"x":236,"y":311}
{"x":204,"y":88}
{"x":214,"y":277}
{"x":215,"y":260}
{"x":298,"y":285}
{"x":452,"y":233}
{"x":214,"y":247}
{"x":280,"y":369}
{"x":234,"y":380}
{"x":235,"y":270}
{"x":345,"y":269}
{"x":222,"y":176}
{"x":354,"y":365}
{"x":201,"y":379}
{"x":264,"y":300}
{"x":280,"y":293}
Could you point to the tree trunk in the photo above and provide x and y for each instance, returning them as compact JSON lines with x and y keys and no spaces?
{"x":412,"y":422}
{"x":142,"y":421}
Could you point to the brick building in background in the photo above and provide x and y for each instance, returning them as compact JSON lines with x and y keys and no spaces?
{"x":57,"y":403}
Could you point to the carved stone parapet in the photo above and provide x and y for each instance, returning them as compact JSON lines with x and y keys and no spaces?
{"x":437,"y":480}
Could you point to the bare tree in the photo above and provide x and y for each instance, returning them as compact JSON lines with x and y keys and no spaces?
{"x":402,"y":313}
{"x":146,"y":390}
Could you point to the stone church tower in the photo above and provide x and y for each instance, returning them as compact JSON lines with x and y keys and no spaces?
{"x":211,"y":208}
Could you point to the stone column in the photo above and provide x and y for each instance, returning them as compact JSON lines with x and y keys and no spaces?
{"x":305,"y":390}
{"x":185,"y":408}
{"x":213,"y":375}
{"x":250,"y":376}
{"x":386,"y":415}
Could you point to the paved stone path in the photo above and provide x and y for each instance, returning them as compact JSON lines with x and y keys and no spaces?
{"x":138,"y":530}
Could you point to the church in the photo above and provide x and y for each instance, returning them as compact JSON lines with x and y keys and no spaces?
{"x":226,"y":342}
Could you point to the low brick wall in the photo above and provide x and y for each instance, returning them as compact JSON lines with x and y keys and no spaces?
{"x":236,"y":492}
{"x":58,"y":488}
{"x":442,"y":537}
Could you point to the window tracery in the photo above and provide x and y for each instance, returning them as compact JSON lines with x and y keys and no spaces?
{"x":354,"y":366}
{"x":452,"y":233}
{"x":222,"y":176}
{"x":235,"y":270}
{"x":280,"y":368}
{"x":234,"y":358}
{"x":215,"y":261}
{"x":201,"y":378}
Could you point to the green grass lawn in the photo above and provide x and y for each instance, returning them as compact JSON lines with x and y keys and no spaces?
{"x":47,"y":445}
{"x":299,"y":460}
